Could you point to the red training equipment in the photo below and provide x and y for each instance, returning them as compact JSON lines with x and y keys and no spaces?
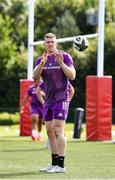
{"x":25,"y":119}
{"x":98,"y":108}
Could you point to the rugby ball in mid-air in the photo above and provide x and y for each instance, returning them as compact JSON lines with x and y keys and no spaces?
{"x":80,"y":43}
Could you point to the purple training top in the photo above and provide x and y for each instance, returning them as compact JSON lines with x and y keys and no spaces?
{"x":55,"y":81}
{"x":32,"y":93}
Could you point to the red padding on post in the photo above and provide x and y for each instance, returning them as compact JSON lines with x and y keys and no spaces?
{"x":98,"y":108}
{"x":25,"y":119}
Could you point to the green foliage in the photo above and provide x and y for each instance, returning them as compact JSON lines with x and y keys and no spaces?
{"x":64,"y":18}
{"x":17,"y":11}
{"x":110,"y":49}
{"x":9,"y":119}
{"x":110,"y":54}
{"x":62,"y":23}
{"x":110,"y":11}
{"x":7,"y":46}
{"x":12,"y":52}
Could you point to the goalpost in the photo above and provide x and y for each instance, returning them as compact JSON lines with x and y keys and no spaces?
{"x":31,"y":42}
{"x":99,"y":92}
{"x":94,"y":130}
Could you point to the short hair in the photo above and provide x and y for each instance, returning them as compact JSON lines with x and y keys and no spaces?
{"x":49,"y":35}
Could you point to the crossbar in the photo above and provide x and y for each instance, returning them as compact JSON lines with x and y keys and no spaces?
{"x":63,"y":40}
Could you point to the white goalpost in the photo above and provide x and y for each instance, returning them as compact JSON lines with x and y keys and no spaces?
{"x":68,"y":39}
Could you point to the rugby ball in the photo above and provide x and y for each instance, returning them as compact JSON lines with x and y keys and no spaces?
{"x":80,"y":43}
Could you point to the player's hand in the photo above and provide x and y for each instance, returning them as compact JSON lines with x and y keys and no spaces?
{"x":44,"y":58}
{"x":59,"y":58}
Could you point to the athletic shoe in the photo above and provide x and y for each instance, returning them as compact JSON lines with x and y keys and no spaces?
{"x":39,"y":138}
{"x":47,"y":168}
{"x":56,"y":169}
{"x":34,"y":138}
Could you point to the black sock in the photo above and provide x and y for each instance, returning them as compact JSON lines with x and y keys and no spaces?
{"x":54,"y":159}
{"x":61,"y":161}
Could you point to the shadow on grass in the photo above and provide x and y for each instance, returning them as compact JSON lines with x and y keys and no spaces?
{"x":18,"y":139}
{"x":22,"y":150}
{"x":109,"y":143}
{"x":76,"y":141}
{"x":9,"y":175}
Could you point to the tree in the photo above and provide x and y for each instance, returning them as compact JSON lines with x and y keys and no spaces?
{"x":65,"y":18}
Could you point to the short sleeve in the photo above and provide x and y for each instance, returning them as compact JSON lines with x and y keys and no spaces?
{"x":38,"y":61}
{"x":68,"y":59}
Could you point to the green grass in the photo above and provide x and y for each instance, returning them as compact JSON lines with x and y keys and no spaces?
{"x":21,"y":158}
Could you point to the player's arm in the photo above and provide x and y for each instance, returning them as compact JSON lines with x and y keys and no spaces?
{"x":38,"y":69}
{"x":40,"y":94}
{"x":71,"y":92}
{"x":68,"y":70}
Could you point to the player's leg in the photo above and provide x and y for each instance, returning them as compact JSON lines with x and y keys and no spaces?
{"x":61,"y":140}
{"x":51,"y":135}
{"x":60,"y":111}
{"x":34,"y":118}
{"x":40,"y":125}
{"x":60,"y":115}
{"x":39,"y":111}
{"x":61,"y":146}
{"x":53,"y":147}
{"x":39,"y":128}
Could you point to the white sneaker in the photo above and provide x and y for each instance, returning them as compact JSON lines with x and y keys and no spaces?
{"x":47,"y":168}
{"x":56,"y":169}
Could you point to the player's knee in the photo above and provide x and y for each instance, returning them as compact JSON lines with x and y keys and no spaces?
{"x":57,"y":130}
{"x":34,"y":121}
{"x":58,"y":133}
{"x":49,"y":131}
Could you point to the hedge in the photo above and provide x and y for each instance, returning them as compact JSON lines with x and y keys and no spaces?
{"x":14,"y":118}
{"x":9,"y":119}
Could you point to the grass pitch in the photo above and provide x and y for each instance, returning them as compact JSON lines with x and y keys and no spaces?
{"x":21,"y":158}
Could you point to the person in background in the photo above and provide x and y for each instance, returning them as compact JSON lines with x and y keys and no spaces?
{"x":56,"y":68}
{"x":36,"y":108}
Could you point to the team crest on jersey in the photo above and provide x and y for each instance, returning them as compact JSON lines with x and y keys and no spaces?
{"x":60,"y":115}
{"x":50,"y":64}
